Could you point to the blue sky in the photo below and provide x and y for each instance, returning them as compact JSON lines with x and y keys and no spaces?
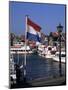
{"x":48,"y":16}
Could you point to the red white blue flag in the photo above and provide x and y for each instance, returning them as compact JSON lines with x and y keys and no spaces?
{"x":33,"y":32}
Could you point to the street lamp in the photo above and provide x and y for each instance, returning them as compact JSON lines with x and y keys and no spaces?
{"x":12,"y":36}
{"x":59,"y":29}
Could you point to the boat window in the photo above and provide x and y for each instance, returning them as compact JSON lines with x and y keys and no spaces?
{"x":63,"y":55}
{"x":49,"y":48}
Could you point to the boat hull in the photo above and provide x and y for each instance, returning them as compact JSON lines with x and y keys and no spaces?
{"x":56,"y":58}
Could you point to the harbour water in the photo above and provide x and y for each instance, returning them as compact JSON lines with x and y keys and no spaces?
{"x":38,"y":67}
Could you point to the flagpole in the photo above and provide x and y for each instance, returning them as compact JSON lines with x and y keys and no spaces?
{"x":25,"y":47}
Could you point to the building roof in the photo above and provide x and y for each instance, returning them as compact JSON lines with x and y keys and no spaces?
{"x":55,"y":34}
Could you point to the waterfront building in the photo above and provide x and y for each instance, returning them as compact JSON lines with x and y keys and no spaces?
{"x":54,"y":40}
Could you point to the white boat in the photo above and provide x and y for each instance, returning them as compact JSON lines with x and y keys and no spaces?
{"x":56,"y":57}
{"x":49,"y":55}
{"x":12,"y":69}
{"x":20,"y":50}
{"x":46,"y":51}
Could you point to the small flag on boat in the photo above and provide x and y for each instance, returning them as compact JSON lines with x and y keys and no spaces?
{"x":33,"y":32}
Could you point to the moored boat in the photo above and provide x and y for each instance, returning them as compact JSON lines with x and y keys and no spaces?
{"x":20,"y":50}
{"x":47,"y":52}
{"x":12,"y":70}
{"x":63,"y":57}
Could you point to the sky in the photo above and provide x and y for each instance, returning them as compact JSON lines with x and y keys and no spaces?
{"x":47,"y":16}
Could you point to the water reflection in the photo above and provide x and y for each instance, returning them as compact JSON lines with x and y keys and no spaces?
{"x":38,"y":67}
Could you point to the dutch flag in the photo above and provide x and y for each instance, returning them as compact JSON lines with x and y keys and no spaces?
{"x":33,"y":32}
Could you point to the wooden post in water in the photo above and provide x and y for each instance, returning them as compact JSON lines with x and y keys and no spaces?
{"x":60,"y":68}
{"x":18,"y":59}
{"x":60,"y":28}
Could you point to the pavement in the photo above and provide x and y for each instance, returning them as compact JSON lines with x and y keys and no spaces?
{"x":51,"y":81}
{"x":40,"y":82}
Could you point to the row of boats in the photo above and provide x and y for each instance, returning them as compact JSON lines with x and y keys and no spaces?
{"x":49,"y":52}
{"x":54,"y":57}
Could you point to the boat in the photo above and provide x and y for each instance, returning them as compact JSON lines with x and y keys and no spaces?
{"x":41,"y":51}
{"x":63,"y":57}
{"x":20,"y":50}
{"x":12,"y":70}
{"x":47,"y":52}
